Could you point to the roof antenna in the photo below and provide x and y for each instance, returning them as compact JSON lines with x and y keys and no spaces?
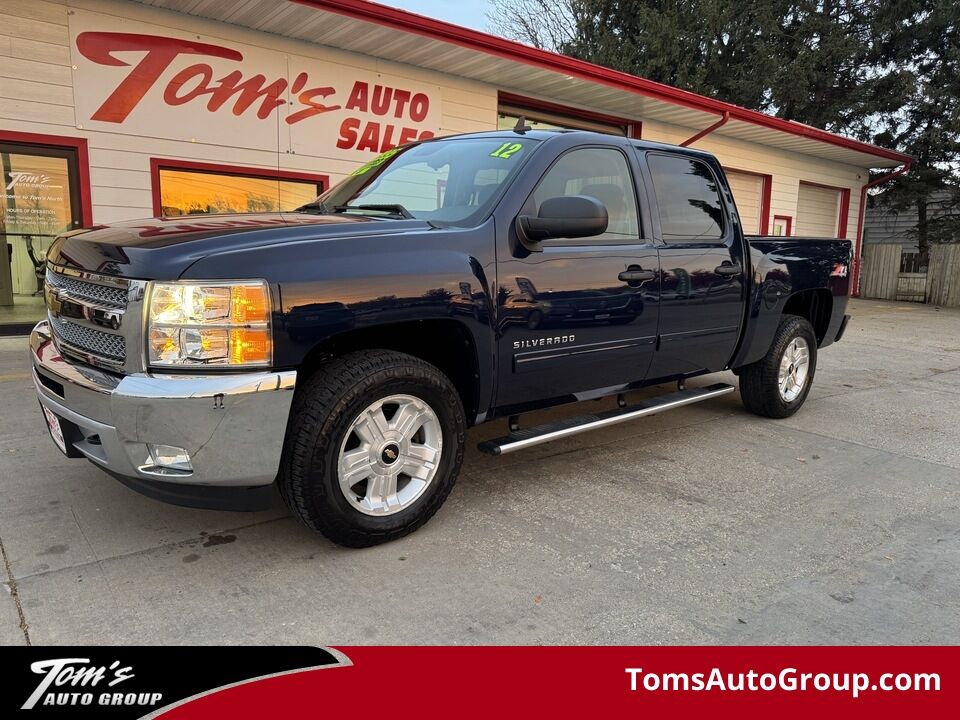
{"x":521,"y":127}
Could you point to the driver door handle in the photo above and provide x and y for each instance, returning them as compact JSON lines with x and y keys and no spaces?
{"x":635,"y":274}
{"x":728,"y":268}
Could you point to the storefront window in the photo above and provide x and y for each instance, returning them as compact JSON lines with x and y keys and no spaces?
{"x":40,"y":202}
{"x":193,"y":192}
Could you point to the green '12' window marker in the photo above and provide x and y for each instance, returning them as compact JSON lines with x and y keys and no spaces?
{"x":506,"y":150}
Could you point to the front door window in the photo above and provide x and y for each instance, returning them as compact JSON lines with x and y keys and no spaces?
{"x":40,"y":201}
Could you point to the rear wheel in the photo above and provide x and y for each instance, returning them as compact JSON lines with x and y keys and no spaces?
{"x":777,"y":385}
{"x":373,"y":448}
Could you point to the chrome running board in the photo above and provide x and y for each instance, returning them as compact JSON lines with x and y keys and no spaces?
{"x":528,"y":437}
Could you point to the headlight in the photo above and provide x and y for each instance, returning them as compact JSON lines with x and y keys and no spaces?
{"x":209,"y":323}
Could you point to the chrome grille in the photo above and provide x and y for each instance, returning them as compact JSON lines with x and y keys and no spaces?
{"x":95,"y":318}
{"x":110,"y":295}
{"x":85,"y":339}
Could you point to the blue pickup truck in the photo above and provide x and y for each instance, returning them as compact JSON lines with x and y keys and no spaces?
{"x":342,"y":350}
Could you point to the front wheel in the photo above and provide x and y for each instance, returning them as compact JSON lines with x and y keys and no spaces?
{"x":374,"y":446}
{"x":777,"y":385}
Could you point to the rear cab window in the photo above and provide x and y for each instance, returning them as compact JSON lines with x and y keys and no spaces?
{"x":688,"y":198}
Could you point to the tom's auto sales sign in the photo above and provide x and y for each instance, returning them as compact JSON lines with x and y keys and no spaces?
{"x":161,"y":82}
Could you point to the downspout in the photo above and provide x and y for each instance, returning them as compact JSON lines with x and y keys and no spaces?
{"x":858,"y":249}
{"x":703,"y":133}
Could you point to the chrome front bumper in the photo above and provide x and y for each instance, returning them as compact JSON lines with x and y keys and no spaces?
{"x":232,"y":425}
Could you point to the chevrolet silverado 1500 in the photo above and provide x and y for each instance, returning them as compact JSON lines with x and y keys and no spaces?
{"x":341,"y":351}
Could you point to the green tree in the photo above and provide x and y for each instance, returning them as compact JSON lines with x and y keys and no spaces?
{"x":921,"y":39}
{"x":825,"y":71}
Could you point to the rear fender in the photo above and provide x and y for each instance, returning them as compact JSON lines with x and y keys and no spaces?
{"x":788,"y":276}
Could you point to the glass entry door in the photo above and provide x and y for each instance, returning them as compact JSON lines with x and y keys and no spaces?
{"x":41,"y":199}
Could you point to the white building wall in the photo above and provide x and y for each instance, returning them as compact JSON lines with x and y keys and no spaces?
{"x":747,"y":192}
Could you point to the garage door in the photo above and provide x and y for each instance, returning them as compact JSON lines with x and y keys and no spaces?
{"x":818,"y":211}
{"x":748,"y":194}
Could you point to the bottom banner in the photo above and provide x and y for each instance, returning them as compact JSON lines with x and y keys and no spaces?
{"x":249,"y":682}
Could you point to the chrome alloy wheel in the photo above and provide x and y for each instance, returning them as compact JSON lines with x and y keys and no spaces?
{"x":390,"y":455}
{"x":794,"y":369}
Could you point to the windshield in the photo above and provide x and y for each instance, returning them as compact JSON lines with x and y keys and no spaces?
{"x":445,"y":181}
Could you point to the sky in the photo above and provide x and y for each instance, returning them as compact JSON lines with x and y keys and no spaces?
{"x":469,"y":13}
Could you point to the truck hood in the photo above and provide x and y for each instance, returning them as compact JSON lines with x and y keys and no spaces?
{"x":162,"y":248}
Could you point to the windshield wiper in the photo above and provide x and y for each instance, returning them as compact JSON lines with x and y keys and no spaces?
{"x":390,"y":208}
{"x":314,"y":206}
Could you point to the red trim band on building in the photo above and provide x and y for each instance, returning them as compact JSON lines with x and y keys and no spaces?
{"x":844,"y":212}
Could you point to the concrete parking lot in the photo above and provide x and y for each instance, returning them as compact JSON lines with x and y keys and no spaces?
{"x":704,"y":525}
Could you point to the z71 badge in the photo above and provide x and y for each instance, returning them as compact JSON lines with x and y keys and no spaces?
{"x":544,"y":341}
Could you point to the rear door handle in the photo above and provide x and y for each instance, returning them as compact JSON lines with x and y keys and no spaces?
{"x":728,"y":268}
{"x":634,"y":274}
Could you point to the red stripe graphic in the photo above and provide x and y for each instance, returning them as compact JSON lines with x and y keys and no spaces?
{"x":530,"y":682}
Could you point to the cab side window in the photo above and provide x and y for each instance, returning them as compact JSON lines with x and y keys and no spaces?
{"x":601,"y":173}
{"x":688,"y":198}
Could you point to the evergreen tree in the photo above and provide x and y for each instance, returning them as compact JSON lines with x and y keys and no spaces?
{"x":717,"y":48}
{"x":921,"y":39}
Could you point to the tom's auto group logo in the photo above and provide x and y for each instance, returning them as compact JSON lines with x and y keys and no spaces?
{"x":118,"y":683}
{"x":71,"y":681}
{"x":30,"y":180}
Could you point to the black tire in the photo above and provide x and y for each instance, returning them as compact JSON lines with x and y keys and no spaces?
{"x":323,"y":411}
{"x":758,"y":381}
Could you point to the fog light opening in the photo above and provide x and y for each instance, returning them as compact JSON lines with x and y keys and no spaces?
{"x":170,"y":457}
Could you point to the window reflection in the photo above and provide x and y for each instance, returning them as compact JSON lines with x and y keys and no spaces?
{"x":688,"y":198}
{"x":600,"y":173}
{"x":189,"y":192}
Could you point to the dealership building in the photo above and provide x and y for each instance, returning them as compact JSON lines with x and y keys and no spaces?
{"x":114,"y":110}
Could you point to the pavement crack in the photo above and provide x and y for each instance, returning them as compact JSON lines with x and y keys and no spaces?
{"x":86,"y":539}
{"x":15,"y":594}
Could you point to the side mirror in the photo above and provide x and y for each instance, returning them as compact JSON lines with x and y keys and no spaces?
{"x":574,"y":216}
